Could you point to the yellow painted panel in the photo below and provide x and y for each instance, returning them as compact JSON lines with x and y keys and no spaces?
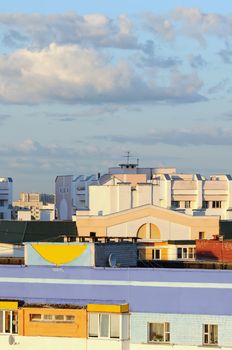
{"x":59,"y":254}
{"x":10,"y":305}
{"x":148,"y":253}
{"x":108,"y":308}
{"x":154,"y":232}
{"x":164,"y":253}
{"x":160,"y":244}
{"x":76,"y":329}
{"x":142,"y":231}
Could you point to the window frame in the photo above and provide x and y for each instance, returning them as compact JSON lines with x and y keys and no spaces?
{"x":216,"y":204}
{"x":208,"y":334}
{"x":11,"y":321}
{"x":99,"y":315}
{"x":51,"y":318}
{"x":190,"y":251}
{"x":154,"y":254}
{"x":175,"y":204}
{"x":205,"y":204}
{"x":166,"y":333}
{"x":187,"y":204}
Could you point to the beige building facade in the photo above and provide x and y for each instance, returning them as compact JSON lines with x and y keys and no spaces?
{"x":148,"y":223}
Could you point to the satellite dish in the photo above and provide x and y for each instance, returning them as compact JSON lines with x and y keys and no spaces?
{"x":112,"y":260}
{"x":11,"y":340}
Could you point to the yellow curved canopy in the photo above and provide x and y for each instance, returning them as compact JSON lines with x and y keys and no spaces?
{"x":59,"y":254}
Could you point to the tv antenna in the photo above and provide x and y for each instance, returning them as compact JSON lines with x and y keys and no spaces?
{"x":128,"y":156}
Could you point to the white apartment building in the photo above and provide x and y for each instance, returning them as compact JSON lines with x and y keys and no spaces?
{"x":72,"y":194}
{"x":6,"y":189}
{"x":124,"y":188}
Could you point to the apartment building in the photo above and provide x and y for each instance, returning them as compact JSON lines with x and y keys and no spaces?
{"x":6,"y":189}
{"x":41,"y":206}
{"x":114,"y":308}
{"x":72,"y":194}
{"x":128,"y":187}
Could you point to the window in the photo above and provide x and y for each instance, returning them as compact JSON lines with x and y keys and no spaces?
{"x":191,"y":252}
{"x":52,"y":318}
{"x":216,"y":204}
{"x":114,"y":326}
{"x":156,"y":254}
{"x":187,"y":204}
{"x":35,"y":317}
{"x":175,"y":204}
{"x":8,"y":322}
{"x":104,"y":325}
{"x":2,"y":203}
{"x":159,"y":332}
{"x":201,"y":235}
{"x":185,"y":253}
{"x":210,"y":334}
{"x":93,"y":325}
{"x":205,"y":204}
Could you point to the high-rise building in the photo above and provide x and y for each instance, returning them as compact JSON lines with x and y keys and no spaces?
{"x":6,"y":198}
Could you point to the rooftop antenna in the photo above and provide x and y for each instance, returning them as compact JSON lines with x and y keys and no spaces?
{"x":128,"y":163}
{"x":128,"y":156}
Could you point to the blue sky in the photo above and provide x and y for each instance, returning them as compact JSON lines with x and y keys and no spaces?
{"x":81,"y":82}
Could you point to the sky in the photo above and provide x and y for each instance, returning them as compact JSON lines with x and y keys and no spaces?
{"x":83,"y":82}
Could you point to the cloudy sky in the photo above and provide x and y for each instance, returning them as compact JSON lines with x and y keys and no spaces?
{"x":81,"y":82}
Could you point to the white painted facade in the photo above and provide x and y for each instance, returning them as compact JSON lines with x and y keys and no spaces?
{"x":72,"y":193}
{"x":6,"y":198}
{"x":192,"y":194}
{"x":60,"y":343}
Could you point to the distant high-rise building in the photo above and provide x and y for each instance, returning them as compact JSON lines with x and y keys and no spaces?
{"x":41,"y":206}
{"x":6,"y":198}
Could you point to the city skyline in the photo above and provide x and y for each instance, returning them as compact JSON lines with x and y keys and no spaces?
{"x":82,"y":83}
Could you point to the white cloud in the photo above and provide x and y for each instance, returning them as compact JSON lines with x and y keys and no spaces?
{"x":190,"y":22}
{"x":160,"y":25}
{"x":72,"y":74}
{"x":196,"y":23}
{"x":39,"y":30}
